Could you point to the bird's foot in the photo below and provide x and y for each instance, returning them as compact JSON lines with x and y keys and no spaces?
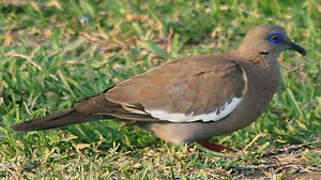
{"x":214,"y":147}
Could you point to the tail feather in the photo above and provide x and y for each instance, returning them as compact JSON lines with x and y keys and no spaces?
{"x":59,"y":119}
{"x":90,"y":109}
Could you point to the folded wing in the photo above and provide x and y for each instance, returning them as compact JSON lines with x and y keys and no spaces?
{"x":204,"y":88}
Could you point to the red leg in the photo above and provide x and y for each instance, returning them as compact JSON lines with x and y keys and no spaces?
{"x":214,"y":147}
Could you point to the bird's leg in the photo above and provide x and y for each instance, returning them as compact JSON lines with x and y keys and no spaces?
{"x":214,"y":147}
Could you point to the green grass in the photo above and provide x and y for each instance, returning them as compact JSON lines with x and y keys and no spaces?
{"x":51,"y":57}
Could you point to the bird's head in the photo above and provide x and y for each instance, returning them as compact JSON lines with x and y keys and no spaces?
{"x":268,"y":39}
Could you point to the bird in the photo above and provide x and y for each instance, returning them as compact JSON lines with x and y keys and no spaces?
{"x":193,"y":99}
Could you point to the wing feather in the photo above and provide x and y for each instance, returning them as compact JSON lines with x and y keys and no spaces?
{"x":204,"y":88}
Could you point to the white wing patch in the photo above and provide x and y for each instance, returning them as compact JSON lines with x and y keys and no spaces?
{"x":220,"y":113}
{"x":132,"y":109}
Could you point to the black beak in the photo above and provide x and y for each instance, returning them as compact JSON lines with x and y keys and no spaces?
{"x":295,"y":47}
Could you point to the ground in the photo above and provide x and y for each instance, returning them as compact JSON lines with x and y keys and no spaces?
{"x":54,"y":53}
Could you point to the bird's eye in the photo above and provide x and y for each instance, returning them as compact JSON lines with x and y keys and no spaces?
{"x":275,"y":38}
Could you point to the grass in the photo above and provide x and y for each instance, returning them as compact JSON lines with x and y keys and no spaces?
{"x":54,"y":53}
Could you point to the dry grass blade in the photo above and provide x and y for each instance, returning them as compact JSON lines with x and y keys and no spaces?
{"x":28,"y":58}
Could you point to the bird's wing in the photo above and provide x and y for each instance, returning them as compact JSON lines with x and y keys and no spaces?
{"x":204,"y":88}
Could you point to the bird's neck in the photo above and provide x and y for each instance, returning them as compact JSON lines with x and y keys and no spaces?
{"x":264,"y":66}
{"x":261,"y":59}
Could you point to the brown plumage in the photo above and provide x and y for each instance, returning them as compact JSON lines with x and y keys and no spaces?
{"x":192,"y":99}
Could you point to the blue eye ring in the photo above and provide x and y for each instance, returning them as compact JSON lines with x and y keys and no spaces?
{"x":275,"y":38}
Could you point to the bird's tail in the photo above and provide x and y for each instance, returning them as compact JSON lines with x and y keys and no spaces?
{"x":59,"y":119}
{"x":89,"y":109}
